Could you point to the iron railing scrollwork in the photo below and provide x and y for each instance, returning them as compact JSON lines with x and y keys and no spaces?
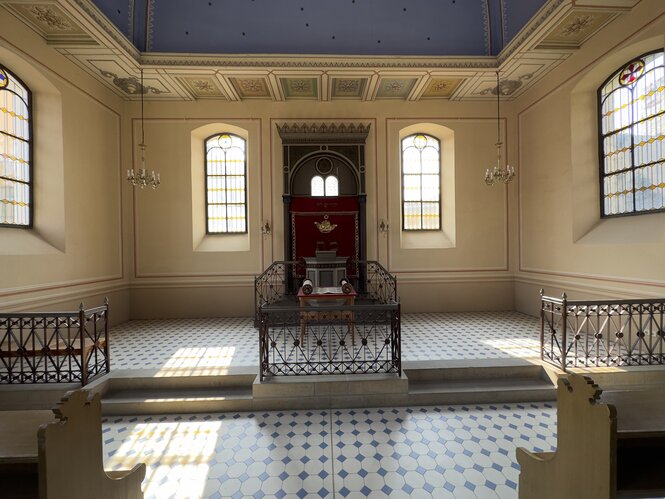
{"x":283,"y":278}
{"x":602,"y":333}
{"x":54,"y":347}
{"x":352,"y":339}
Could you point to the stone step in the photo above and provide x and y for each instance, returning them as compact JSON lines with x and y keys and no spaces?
{"x":197,"y":390}
{"x":481,"y":390}
{"x":469,"y":370}
{"x":177,"y":401}
{"x":456,"y":382}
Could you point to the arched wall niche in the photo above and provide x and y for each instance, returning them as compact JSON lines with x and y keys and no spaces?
{"x":48,"y":231}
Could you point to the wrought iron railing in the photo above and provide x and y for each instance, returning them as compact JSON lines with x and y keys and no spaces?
{"x":54,"y":347}
{"x":602,"y":333}
{"x":283,"y":278}
{"x":353,"y":339}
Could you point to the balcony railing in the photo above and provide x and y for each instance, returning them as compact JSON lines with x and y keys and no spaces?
{"x":603,"y":333}
{"x":54,"y":347}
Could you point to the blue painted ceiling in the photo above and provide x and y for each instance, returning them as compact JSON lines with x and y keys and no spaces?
{"x":346,"y":27}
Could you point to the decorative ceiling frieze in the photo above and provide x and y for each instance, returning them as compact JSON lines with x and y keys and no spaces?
{"x":348,"y":88}
{"x":395,"y":88}
{"x":441,"y":87}
{"x":576,"y":28}
{"x":300,"y":88}
{"x":95,"y":42}
{"x":52,"y":23}
{"x":202,"y":87}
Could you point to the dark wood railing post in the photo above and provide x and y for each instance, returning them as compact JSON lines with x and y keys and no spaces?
{"x":564,"y":333}
{"x":107,"y":351}
{"x":263,"y":327}
{"x":84,"y":364}
{"x":542,"y":324}
{"x":397,"y":328}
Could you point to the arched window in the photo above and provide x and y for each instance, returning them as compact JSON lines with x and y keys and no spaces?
{"x":226,"y":184}
{"x":15,"y":152}
{"x":324,"y":187}
{"x":632,"y":122}
{"x":318,"y":187}
{"x":332,"y":186}
{"x":421,"y":183}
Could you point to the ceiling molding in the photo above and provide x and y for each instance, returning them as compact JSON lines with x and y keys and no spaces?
{"x":83,"y":34}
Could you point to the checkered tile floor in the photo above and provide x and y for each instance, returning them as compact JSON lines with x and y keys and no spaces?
{"x":223,"y":342}
{"x":428,"y":452}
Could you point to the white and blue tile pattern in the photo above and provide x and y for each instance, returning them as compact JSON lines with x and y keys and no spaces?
{"x":181,"y":344}
{"x":429,"y":452}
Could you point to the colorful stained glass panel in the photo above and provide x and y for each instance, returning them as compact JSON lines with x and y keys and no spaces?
{"x":632,"y":104}
{"x":15,"y":167}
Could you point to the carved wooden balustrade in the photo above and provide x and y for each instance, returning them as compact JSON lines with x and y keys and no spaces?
{"x":54,"y":347}
{"x":582,"y":333}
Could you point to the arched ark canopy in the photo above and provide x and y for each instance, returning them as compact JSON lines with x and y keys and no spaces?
{"x":318,"y":155}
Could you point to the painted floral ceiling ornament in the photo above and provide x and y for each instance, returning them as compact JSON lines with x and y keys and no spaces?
{"x":48,"y":17}
{"x":580,"y":24}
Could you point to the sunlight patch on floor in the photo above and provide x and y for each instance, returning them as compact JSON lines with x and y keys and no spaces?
{"x":522,"y":348}
{"x":180,"y":451}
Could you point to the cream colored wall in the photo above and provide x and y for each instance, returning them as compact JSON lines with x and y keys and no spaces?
{"x":563,"y":245}
{"x":96,"y":235}
{"x":173,"y":278}
{"x":74,"y":252}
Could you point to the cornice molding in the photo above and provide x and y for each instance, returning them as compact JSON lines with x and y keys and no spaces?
{"x":107,"y":26}
{"x":525,"y":33}
{"x":313,"y":61}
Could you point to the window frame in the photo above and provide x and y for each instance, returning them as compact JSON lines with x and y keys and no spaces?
{"x":402,"y":186}
{"x":31,"y":140}
{"x":601,"y":137}
{"x":205,"y":174}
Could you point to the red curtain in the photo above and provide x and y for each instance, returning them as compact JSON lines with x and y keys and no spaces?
{"x":342,"y":212}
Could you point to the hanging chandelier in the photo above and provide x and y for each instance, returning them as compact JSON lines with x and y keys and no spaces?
{"x":141,"y":178}
{"x":499,"y":174}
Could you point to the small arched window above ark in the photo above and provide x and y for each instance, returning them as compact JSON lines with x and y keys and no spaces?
{"x":324,"y":186}
{"x":632,"y":133}
{"x":16,"y":183}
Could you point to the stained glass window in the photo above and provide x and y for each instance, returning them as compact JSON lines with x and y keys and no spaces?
{"x":15,"y":152}
{"x":226,"y":184}
{"x":421,"y":184}
{"x":324,"y":187}
{"x":632,"y":115}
